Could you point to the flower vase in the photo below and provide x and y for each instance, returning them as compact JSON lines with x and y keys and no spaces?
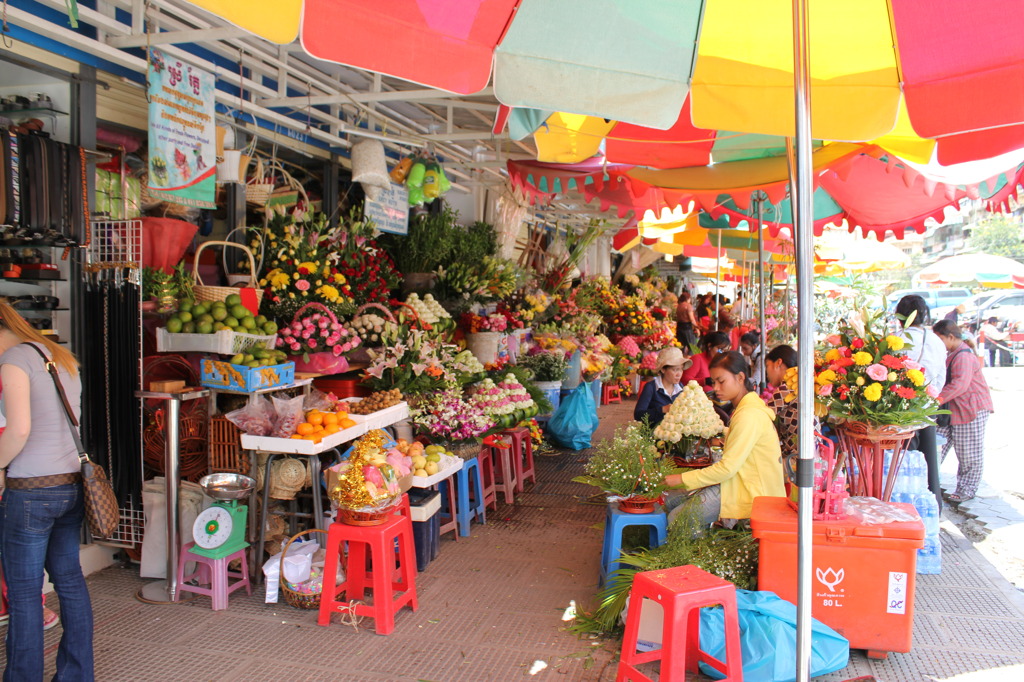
{"x":484,"y":345}
{"x":863,"y":447}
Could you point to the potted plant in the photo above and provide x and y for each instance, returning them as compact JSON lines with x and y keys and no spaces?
{"x":628,"y":466}
{"x":427,"y":246}
{"x":548,"y":368}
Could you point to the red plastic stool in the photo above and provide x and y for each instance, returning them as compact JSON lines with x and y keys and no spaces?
{"x":215,"y":573}
{"x":450,"y":510}
{"x":486,"y":459}
{"x":610,"y":394}
{"x":505,"y":468}
{"x":389,"y":594}
{"x":522,"y":456}
{"x":681,"y":591}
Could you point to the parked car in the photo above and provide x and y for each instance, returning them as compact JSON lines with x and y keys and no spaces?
{"x":971,"y":306}
{"x":1006,"y":307}
{"x":935,"y":298}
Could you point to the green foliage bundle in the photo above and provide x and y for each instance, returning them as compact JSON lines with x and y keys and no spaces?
{"x":545,"y":366}
{"x":628,"y":463}
{"x":731,"y":554}
{"x":429,"y":243}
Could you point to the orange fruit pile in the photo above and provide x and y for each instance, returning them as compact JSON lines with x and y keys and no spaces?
{"x":319,"y":424}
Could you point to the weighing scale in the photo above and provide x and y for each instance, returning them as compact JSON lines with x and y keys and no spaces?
{"x":219,"y":530}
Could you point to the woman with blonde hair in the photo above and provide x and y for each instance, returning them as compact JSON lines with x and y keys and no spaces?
{"x":42,"y":507}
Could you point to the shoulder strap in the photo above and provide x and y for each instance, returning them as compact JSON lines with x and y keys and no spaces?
{"x":72,"y":421}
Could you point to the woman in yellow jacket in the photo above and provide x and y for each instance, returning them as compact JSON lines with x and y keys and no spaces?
{"x":751,"y":464}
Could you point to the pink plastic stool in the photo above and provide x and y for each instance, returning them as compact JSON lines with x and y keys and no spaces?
{"x":393,"y":586}
{"x":681,"y":591}
{"x":505,"y":468}
{"x":215,"y":573}
{"x":610,"y":394}
{"x":522,"y":456}
{"x":486,"y":459}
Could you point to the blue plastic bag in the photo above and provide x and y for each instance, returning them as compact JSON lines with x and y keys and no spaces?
{"x":574,"y":422}
{"x":768,"y":639}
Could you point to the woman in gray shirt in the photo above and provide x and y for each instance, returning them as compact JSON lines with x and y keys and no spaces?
{"x":42,"y":508}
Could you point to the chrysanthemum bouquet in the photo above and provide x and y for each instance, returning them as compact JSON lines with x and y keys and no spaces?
{"x":691,"y":418}
{"x":628,"y":464}
{"x":865,"y":376}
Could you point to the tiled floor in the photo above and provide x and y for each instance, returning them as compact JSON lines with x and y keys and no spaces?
{"x":491,"y":606}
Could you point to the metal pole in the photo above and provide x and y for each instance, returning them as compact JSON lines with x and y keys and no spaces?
{"x":718,"y":283}
{"x":760,"y":289}
{"x":171,"y":482}
{"x":803,"y":233}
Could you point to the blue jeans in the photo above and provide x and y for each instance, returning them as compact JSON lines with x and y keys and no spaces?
{"x":40,"y":529}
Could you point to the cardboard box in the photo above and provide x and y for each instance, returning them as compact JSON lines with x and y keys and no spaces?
{"x":167,"y":386}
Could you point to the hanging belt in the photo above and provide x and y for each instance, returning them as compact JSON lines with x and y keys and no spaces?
{"x":4,"y":174}
{"x":15,"y":208}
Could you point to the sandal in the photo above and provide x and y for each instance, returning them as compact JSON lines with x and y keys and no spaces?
{"x":954,"y":498}
{"x":50,"y":619}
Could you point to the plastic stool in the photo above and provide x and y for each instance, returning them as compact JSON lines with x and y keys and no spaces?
{"x":616,"y":521}
{"x":610,"y":394}
{"x":215,"y":573}
{"x":487,"y":476}
{"x":682,"y":591}
{"x":392,"y":587}
{"x":522,"y":456}
{"x":466,"y":478}
{"x":504,"y":467}
{"x":449,"y":507}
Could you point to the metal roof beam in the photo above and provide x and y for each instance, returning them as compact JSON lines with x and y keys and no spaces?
{"x":172,"y":37}
{"x":366,"y":97}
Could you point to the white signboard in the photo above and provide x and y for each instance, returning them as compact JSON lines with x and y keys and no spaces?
{"x":390,"y":212}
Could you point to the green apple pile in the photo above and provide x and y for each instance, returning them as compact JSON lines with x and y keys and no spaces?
{"x":429,"y":463}
{"x":210,"y":318}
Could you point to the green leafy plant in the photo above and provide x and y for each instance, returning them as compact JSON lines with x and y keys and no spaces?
{"x":627,"y":464}
{"x":156,"y":283}
{"x":428,"y":244}
{"x":545,"y":366}
{"x":730,"y":554}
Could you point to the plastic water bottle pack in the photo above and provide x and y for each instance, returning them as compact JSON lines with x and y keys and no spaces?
{"x":912,"y":487}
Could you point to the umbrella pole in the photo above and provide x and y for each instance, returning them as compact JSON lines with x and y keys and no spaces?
{"x":718,"y":284}
{"x":801,"y":187}
{"x":760,"y":290}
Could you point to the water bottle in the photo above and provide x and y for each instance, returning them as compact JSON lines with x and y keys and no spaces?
{"x":928,"y":508}
{"x":929,"y":557}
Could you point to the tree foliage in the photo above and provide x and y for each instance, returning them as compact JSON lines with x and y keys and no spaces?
{"x":999,"y":235}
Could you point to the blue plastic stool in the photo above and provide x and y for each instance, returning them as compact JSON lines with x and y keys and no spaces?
{"x":617,"y":521}
{"x":468,"y":475}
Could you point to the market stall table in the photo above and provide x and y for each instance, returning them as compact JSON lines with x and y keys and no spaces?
{"x":283,"y":447}
{"x":166,"y":591}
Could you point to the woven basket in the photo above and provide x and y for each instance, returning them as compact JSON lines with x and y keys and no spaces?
{"x":361,"y":518}
{"x":259,"y":187}
{"x":226,"y":453}
{"x":637,"y":504}
{"x":204,"y":292}
{"x":297,"y":599}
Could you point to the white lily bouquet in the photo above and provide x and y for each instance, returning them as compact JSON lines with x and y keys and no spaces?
{"x":691,"y":418}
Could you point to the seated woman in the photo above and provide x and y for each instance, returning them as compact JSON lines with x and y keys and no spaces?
{"x":751,"y":463}
{"x":711,"y":345}
{"x":657,"y":395}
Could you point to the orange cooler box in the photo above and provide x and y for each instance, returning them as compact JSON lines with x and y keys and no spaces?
{"x":863,"y":579}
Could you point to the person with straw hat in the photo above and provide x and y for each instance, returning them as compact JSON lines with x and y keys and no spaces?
{"x":657,"y":395}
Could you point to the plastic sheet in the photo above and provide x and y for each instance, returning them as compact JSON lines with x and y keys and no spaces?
{"x":873,"y":511}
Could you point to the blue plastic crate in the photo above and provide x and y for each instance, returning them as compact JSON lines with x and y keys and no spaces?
{"x":224,"y":375}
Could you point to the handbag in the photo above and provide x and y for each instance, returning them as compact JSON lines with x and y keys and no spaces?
{"x":101,"y":510}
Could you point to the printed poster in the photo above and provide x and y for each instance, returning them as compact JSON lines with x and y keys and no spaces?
{"x":182,"y":132}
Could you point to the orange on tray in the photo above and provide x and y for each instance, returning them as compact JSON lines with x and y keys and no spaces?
{"x":315,"y":417}
{"x":330,"y":418}
{"x":304,"y":429}
{"x":346,"y":423}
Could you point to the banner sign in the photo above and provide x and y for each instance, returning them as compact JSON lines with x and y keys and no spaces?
{"x":390,"y":212}
{"x":182,"y":132}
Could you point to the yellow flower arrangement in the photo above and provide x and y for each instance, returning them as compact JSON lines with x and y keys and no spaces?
{"x":873,"y":392}
{"x":861,"y":358}
{"x":916,"y":377}
{"x":895,"y":342}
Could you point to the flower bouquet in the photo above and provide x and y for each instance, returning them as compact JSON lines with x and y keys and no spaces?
{"x":414,"y":362}
{"x":648,"y":364}
{"x":878,"y":397}
{"x":691,"y":418}
{"x":319,"y":339}
{"x":506,"y":402}
{"x":447,"y":416}
{"x":628,"y":466}
{"x":366,"y":486}
{"x":474,"y":324}
{"x":431,"y":312}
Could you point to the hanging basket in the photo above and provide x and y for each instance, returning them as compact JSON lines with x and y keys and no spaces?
{"x":259,"y":187}
{"x":209,"y":293}
{"x":863,"y":449}
{"x":637,"y":504}
{"x":370,"y":167}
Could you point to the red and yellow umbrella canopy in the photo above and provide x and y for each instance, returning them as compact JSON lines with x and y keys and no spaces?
{"x":952,"y":67}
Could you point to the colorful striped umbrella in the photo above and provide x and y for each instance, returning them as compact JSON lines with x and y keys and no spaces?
{"x":975,"y":268}
{"x":952,"y":66}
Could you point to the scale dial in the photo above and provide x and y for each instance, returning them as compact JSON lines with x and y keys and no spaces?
{"x":212,"y":527}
